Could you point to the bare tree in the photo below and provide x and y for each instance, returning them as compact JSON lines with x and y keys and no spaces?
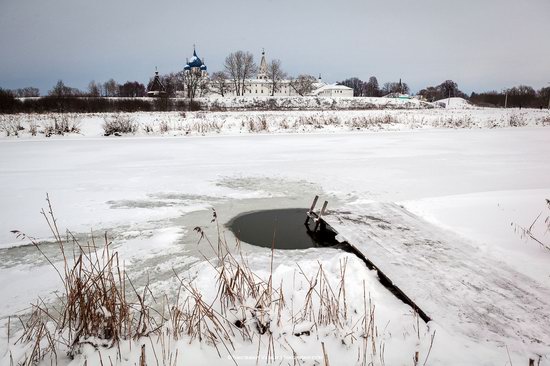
{"x":131,"y":89}
{"x":240,"y":66}
{"x":303,"y":84}
{"x":275,"y":75}
{"x":110,"y":88}
{"x":371,"y":88}
{"x":195,"y":83}
{"x":174,"y":83}
{"x":26,"y":92}
{"x":61,"y":90}
{"x":395,"y":88}
{"x":220,"y":83}
{"x":94,"y":89}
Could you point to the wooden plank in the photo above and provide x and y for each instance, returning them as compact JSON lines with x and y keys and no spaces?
{"x":452,"y":281}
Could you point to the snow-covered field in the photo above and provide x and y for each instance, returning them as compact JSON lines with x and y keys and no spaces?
{"x":260,"y":122}
{"x":149,"y":192}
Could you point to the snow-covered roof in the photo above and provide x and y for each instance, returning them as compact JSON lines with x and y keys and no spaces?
{"x":328,"y":87}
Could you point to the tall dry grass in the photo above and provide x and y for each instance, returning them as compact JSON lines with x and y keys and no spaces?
{"x":100,"y":307}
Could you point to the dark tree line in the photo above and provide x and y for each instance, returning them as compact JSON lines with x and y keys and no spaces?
{"x":64,"y":102}
{"x":371,"y":88}
{"x":110,"y":88}
{"x":447,"y":89}
{"x":517,"y":97}
{"x":26,"y":92}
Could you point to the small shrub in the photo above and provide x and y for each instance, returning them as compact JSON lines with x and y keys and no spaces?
{"x":262,"y":123}
{"x":545,"y":120}
{"x":284,"y":124}
{"x":33,"y":128}
{"x":517,"y":120}
{"x":11,"y":127}
{"x":148,"y":128}
{"x":61,"y":124}
{"x":216,"y":106}
{"x":119,"y":124}
{"x":164,"y":127}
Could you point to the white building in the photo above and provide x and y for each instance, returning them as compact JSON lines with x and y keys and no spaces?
{"x":333,"y":91}
{"x":261,"y":86}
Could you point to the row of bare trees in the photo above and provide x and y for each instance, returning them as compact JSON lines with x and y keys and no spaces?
{"x":371,"y":88}
{"x":239,"y":67}
{"x":109,"y":88}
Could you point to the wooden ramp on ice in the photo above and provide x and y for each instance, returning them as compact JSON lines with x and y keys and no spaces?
{"x":448,"y":278}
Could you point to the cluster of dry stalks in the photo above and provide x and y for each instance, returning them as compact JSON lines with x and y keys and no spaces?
{"x":93,"y":309}
{"x":537,"y":224}
{"x":101,"y":308}
{"x":118,"y":124}
{"x":51,"y":124}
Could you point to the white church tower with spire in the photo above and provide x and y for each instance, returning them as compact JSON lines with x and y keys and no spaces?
{"x":262,"y":71}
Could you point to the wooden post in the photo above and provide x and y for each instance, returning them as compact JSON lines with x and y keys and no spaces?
{"x":321,"y":213}
{"x":323,"y":209}
{"x":531,"y":362}
{"x":311,"y":209}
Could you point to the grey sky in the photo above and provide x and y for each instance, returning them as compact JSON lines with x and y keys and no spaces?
{"x":481,"y":44}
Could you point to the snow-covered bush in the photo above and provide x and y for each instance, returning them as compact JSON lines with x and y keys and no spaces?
{"x":61,"y":124}
{"x":11,"y":127}
{"x":545,"y":120}
{"x":119,"y":124}
{"x":33,"y":128}
{"x":517,"y":120}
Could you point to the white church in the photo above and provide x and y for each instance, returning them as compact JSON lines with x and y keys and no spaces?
{"x":261,"y":85}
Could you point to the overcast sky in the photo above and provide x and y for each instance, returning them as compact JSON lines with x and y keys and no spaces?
{"x":480,"y":44}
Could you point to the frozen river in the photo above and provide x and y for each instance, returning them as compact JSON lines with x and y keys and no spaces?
{"x":150,"y":192}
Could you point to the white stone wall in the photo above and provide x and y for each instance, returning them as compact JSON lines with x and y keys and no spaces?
{"x":262,"y":88}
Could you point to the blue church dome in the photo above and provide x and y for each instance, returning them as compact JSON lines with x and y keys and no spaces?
{"x":194,"y":61}
{"x":203,"y":67}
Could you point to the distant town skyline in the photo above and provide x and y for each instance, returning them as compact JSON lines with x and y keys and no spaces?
{"x":481,"y":45}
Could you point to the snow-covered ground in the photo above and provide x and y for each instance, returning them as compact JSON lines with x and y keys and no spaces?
{"x":149,"y":192}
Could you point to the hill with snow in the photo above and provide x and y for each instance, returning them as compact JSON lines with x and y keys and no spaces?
{"x":454,"y":103}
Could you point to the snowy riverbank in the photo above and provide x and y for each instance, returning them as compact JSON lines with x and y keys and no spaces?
{"x":34,"y":126}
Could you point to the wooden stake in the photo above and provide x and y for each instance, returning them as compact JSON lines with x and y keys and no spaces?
{"x":321,"y":213}
{"x":308,"y":214}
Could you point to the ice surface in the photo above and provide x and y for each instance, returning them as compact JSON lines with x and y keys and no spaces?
{"x":149,"y":193}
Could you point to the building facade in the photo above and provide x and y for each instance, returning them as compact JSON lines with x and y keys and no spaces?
{"x":261,"y":86}
{"x":197,"y":83}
